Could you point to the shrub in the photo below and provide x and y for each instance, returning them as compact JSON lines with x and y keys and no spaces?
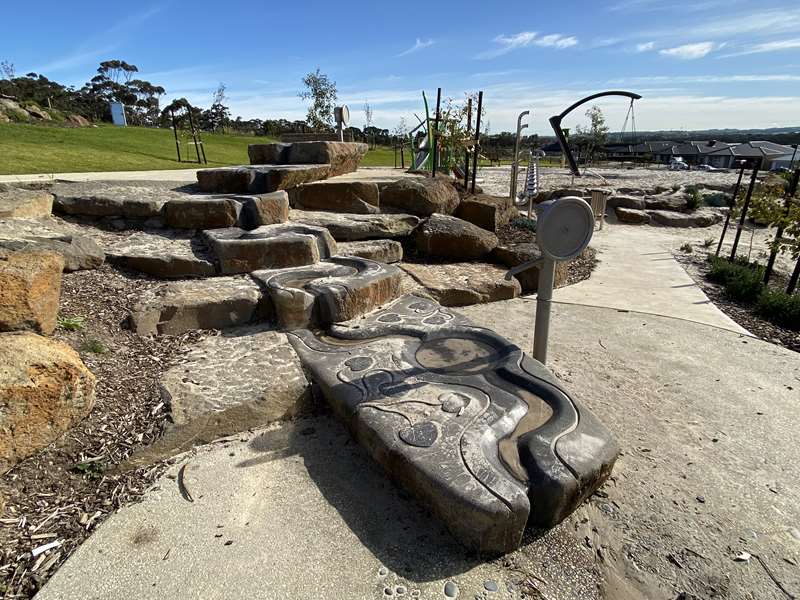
{"x":524,"y":223}
{"x":687,"y":247}
{"x":95,"y":346}
{"x":694,"y":200}
{"x":780,"y":308}
{"x":70,"y":323}
{"x":717,"y":199}
{"x":741,"y":280}
{"x":708,"y":242}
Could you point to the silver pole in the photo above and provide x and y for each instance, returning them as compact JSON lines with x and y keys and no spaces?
{"x":544,"y":295}
{"x":515,"y":164}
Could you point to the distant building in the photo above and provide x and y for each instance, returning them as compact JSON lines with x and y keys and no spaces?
{"x":751,"y":152}
{"x":723,"y":155}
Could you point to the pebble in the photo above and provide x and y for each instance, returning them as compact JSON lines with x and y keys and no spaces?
{"x":387,"y":591}
{"x":400,"y":590}
{"x":490,"y":586}
{"x":383,"y":572}
{"x":451,"y":589}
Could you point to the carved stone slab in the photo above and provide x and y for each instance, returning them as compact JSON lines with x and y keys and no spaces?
{"x":485,"y":436}
{"x":335,"y":290}
{"x":269,"y":247}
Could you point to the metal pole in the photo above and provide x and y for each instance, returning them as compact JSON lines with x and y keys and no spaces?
{"x":744,"y":208}
{"x":477,"y":140}
{"x":544,"y":295}
{"x":436,"y":132}
{"x":466,"y":150}
{"x":515,"y":163}
{"x":779,"y":233}
{"x":175,"y":131}
{"x":730,"y":208}
{"x":793,"y":279}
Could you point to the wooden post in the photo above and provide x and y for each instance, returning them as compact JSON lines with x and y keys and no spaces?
{"x":730,"y":208}
{"x":477,"y":140}
{"x":744,"y":208}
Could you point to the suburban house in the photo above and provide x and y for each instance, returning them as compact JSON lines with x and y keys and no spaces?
{"x":717,"y":154}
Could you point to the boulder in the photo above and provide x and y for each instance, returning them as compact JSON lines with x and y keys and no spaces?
{"x":230,"y":383}
{"x":30,"y":288}
{"x":631,"y":216}
{"x":217,"y":303}
{"x":45,"y":389}
{"x":264,"y":209}
{"x":133,"y":199}
{"x":670,"y":202}
{"x":698,"y":218}
{"x":259,"y":179}
{"x":17,"y":203}
{"x":342,"y":157}
{"x":268,"y":154}
{"x":485,"y":211}
{"x":621,"y":201}
{"x":38,"y":113}
{"x":511,"y":255}
{"x":338,"y":196}
{"x":78,"y":121}
{"x":164,"y":254}
{"x":462,"y":284}
{"x":444,"y":236}
{"x":349,"y":227}
{"x":199,"y":212}
{"x":78,"y":251}
{"x":421,"y":196}
{"x":385,"y":251}
{"x":564,"y":192}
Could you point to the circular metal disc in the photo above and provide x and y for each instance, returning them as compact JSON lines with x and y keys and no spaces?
{"x":565,"y":228}
{"x":345,"y":114}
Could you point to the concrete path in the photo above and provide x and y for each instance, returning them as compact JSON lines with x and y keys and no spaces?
{"x":637,"y":271}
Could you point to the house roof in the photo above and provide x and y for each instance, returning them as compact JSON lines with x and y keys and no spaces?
{"x":755,"y":149}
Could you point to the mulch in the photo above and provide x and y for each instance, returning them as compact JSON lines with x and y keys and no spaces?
{"x":64,"y":492}
{"x":698,"y":267}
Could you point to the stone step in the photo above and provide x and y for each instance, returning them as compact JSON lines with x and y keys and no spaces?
{"x":164,"y":254}
{"x":483,"y":435}
{"x":340,"y":157}
{"x":352,"y":227}
{"x":387,"y":251}
{"x":462,"y":284}
{"x":259,"y":179}
{"x":16,"y":203}
{"x":52,"y":234}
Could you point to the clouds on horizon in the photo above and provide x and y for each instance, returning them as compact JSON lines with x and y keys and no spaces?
{"x":523,"y":39}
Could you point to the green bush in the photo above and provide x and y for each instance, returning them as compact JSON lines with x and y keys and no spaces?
{"x":717,"y":199}
{"x":524,"y":223}
{"x":694,"y":200}
{"x":780,"y":308}
{"x":741,"y":280}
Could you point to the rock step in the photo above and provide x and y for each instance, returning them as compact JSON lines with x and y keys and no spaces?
{"x":483,"y":435}
{"x":48,"y":234}
{"x":260,"y":179}
{"x":354,"y":227}
{"x":16,"y":203}
{"x":462,"y":284}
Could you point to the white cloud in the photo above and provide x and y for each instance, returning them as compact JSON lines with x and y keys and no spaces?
{"x":418,"y":45}
{"x":645,"y":46}
{"x":689,"y":51}
{"x":668,"y":79}
{"x":507,"y":43}
{"x":778,"y":46}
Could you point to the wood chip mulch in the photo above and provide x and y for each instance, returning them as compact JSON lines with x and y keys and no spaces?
{"x":60,"y":495}
{"x":697,"y":266}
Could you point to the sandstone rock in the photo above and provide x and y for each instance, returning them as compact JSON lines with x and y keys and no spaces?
{"x":165,"y":254}
{"x":671,"y":202}
{"x":462,"y":284}
{"x":264,"y":209}
{"x":229,"y":383}
{"x":38,"y":113}
{"x":79,"y":252}
{"x":78,"y":121}
{"x":351,"y":227}
{"x":30,"y":288}
{"x":18,"y":203}
{"x":421,"y":196}
{"x":339,"y":196}
{"x":342,"y":157}
{"x":128,"y":199}
{"x":385,"y":251}
{"x":217,"y":303}
{"x":621,"y":201}
{"x":268,"y":154}
{"x":698,"y":218}
{"x":512,"y":255}
{"x":44,"y":390}
{"x":259,"y":179}
{"x":485,"y":211}
{"x":269,"y":247}
{"x":632,"y":216}
{"x":201,"y":213}
{"x":564,"y":192}
{"x":450,"y":237}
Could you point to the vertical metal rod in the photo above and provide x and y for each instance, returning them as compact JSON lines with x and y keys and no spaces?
{"x":402,"y":153}
{"x":175,"y":131}
{"x":544,"y":295}
{"x":436,"y":132}
{"x":194,"y":135}
{"x":466,"y":150}
{"x":779,"y":233}
{"x":477,"y":140}
{"x":515,"y":162}
{"x":793,"y":279}
{"x":744,"y":208}
{"x":730,"y":208}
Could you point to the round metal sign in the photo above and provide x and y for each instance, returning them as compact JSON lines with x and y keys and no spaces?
{"x":342,"y":114}
{"x":564,"y":227}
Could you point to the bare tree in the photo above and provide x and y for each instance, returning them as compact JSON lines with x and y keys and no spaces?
{"x":368,"y":121}
{"x":7,"y":70}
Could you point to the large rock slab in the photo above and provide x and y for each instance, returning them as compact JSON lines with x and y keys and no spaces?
{"x":342,"y":157}
{"x":332,"y":291}
{"x":49,"y":234}
{"x":339,"y":196}
{"x":444,"y":236}
{"x":625,"y":201}
{"x":269,"y":247}
{"x":240,"y":380}
{"x":698,"y":218}
{"x":259,"y":179}
{"x":132,"y":199}
{"x":264,"y":209}
{"x":483,"y":435}
{"x":30,"y":288}
{"x":16,"y":203}
{"x":217,"y":303}
{"x":199,"y":212}
{"x":675,"y":201}
{"x":511,"y":255}
{"x":631,"y":215}
{"x":386,"y":251}
{"x":44,"y":390}
{"x":462,"y":284}
{"x":164,"y":254}
{"x":350,"y":227}
{"x":268,"y":154}
{"x":485,"y":211}
{"x":421,"y":196}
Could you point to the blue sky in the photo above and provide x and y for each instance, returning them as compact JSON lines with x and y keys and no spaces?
{"x":698,"y":64}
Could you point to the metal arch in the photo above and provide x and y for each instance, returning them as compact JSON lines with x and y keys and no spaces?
{"x":555,"y":123}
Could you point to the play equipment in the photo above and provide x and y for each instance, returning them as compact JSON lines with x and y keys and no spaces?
{"x":564,"y":230}
{"x":342,"y":116}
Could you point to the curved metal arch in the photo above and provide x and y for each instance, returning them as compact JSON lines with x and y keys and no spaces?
{"x":555,"y":123}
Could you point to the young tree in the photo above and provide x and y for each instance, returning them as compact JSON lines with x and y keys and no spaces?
{"x":368,"y":119}
{"x":322,"y":93}
{"x":7,"y":70}
{"x":218,"y":116}
{"x":594,"y":138}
